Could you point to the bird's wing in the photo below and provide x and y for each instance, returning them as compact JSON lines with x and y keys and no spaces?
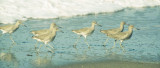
{"x":5,"y":27}
{"x":111,"y":31}
{"x":119,"y":35}
{"x":46,"y":37}
{"x":81,"y":30}
{"x":116,"y":30}
{"x":49,"y":37}
{"x":41,"y":37}
{"x":39,"y":31}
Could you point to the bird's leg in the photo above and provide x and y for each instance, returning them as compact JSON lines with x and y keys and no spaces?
{"x":39,"y":48}
{"x":13,"y":42}
{"x":76,"y":51}
{"x":36,"y":45}
{"x":49,"y":49}
{"x":0,"y":35}
{"x":87,"y":43}
{"x":114,"y":44}
{"x":10,"y":48}
{"x":76,"y":42}
{"x":50,"y":46}
{"x":121,"y":45}
{"x":105,"y":42}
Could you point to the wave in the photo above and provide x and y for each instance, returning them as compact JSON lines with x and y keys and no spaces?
{"x":12,"y":10}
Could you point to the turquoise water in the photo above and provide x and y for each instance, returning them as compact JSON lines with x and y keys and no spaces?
{"x":144,"y":46}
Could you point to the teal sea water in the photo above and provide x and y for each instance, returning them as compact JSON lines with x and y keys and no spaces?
{"x":144,"y":46}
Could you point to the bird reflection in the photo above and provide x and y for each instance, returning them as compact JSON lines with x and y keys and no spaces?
{"x":42,"y":62}
{"x":82,"y":57}
{"x":9,"y":57}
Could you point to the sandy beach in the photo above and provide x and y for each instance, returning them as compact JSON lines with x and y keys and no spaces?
{"x":113,"y":64}
{"x":142,"y":50}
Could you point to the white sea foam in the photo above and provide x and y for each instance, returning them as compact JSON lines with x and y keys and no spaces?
{"x":11,"y":10}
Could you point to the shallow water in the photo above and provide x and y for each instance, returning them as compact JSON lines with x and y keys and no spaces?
{"x":142,"y":47}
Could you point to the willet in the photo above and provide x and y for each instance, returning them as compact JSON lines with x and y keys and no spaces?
{"x":113,"y":31}
{"x":123,"y":35}
{"x":46,"y":38}
{"x":10,"y":29}
{"x":43,"y":31}
{"x":85,"y":32}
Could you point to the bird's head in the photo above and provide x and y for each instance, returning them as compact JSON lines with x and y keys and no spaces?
{"x":124,"y":23}
{"x":20,"y":22}
{"x":95,"y":23}
{"x":102,"y":31}
{"x":54,"y":25}
{"x":131,"y":26}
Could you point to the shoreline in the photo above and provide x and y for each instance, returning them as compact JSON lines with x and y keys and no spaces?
{"x":112,"y":64}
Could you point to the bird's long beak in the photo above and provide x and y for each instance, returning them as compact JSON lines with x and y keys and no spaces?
{"x":60,"y":30}
{"x":58,"y":26}
{"x":133,"y":27}
{"x":23,"y":25}
{"x":99,"y":25}
{"x":136,"y":28}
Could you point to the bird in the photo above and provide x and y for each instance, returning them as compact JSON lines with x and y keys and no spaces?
{"x":10,"y":29}
{"x":43,"y":31}
{"x":113,"y":31}
{"x":85,"y":32}
{"x":123,"y":35}
{"x":48,"y":37}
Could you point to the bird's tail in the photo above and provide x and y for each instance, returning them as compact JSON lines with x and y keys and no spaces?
{"x":102,"y":31}
{"x":73,"y":30}
{"x":33,"y":37}
{"x":32,"y":32}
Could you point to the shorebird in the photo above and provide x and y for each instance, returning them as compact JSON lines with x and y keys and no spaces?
{"x":43,"y":31}
{"x":113,"y":31}
{"x":123,"y":35}
{"x":10,"y":29}
{"x":46,"y":38}
{"x":85,"y":32}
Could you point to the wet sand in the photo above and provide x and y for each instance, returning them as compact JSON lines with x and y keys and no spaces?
{"x":113,"y":64}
